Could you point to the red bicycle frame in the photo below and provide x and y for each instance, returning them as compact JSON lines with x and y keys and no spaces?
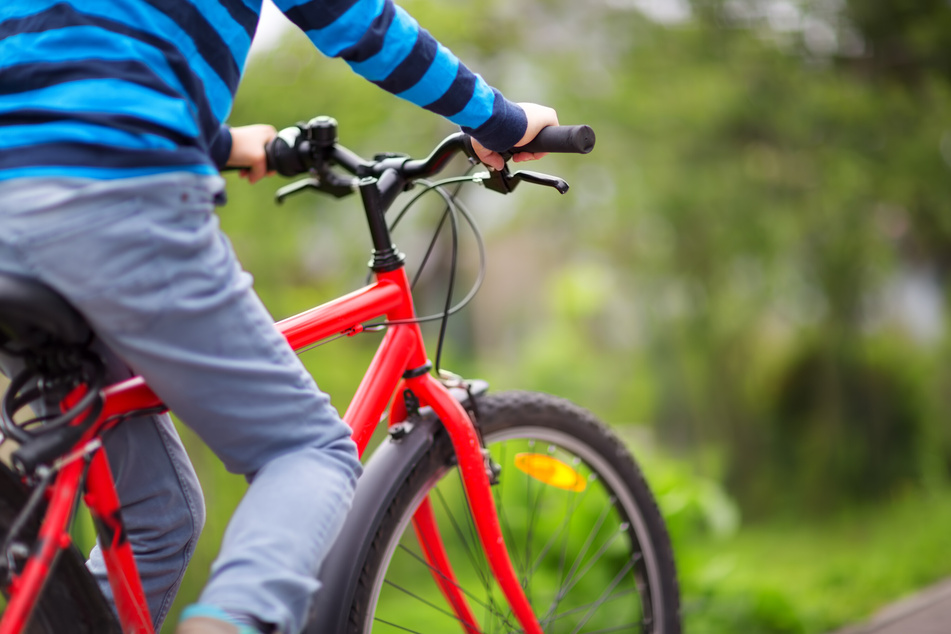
{"x":400,"y":364}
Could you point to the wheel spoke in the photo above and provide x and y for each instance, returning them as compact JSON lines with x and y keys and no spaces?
{"x":578,"y":501}
{"x":463,"y":539}
{"x":584,"y":608}
{"x":399,"y":627}
{"x":473,"y":552}
{"x":442,"y":575}
{"x":584,"y":551}
{"x":571,"y":582}
{"x":422,"y":600}
{"x":603,"y":598}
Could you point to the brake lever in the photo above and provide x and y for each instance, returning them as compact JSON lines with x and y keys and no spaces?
{"x":503,"y":181}
{"x":537,"y":178}
{"x":326,"y":182}
{"x":296,"y":186}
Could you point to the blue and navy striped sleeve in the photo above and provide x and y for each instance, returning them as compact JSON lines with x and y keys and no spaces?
{"x":106,"y":89}
{"x":384,"y":44}
{"x":100,"y":89}
{"x":220,"y":147}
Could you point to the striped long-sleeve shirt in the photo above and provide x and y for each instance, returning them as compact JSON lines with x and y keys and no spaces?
{"x":118,"y":88}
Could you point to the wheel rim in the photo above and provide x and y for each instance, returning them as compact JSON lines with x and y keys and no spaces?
{"x":577,"y":553}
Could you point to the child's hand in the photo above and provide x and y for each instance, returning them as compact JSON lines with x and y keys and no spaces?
{"x":247,"y":150}
{"x":538,"y":117}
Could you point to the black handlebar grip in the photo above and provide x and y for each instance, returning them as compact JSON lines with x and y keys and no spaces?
{"x":569,"y":139}
{"x":269,"y":155}
{"x":284,"y":153}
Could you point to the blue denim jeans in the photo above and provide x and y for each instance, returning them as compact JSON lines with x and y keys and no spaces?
{"x":146,"y":263}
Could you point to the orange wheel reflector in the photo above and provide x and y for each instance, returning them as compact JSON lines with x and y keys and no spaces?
{"x":550,"y":471}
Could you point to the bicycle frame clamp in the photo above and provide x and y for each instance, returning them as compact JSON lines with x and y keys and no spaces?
{"x":414,"y":373}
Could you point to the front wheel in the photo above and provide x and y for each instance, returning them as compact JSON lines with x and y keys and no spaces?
{"x":583,"y":531}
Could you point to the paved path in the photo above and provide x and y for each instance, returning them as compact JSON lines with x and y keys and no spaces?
{"x":928,"y":612}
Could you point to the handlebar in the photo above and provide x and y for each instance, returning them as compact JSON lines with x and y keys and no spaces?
{"x":297,"y":150}
{"x":312,"y":147}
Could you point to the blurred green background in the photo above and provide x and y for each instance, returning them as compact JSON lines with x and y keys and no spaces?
{"x":749,"y":279}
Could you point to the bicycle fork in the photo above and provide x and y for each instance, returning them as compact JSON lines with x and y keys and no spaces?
{"x":477,"y":487}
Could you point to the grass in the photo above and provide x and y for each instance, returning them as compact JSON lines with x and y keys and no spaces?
{"x":814,"y":576}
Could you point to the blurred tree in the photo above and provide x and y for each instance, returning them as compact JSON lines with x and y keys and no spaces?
{"x":902,"y":41}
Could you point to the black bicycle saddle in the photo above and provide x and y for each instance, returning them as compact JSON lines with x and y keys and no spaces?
{"x":32,"y":314}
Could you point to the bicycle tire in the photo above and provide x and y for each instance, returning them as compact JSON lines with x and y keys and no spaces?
{"x":71,"y":600}
{"x":577,"y":582}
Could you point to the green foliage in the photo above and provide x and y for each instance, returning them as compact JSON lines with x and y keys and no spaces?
{"x":761,"y":611}
{"x":828,"y":397}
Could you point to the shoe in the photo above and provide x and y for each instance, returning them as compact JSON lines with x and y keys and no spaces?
{"x":206,"y":619}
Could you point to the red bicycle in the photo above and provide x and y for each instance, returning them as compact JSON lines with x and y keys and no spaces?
{"x":482,"y":512}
